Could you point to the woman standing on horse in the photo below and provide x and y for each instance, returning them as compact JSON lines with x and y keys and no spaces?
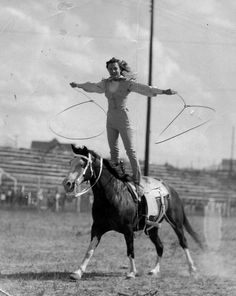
{"x":116,"y":88}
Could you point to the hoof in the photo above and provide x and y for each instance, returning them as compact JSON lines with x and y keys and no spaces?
{"x":154,"y":273}
{"x":193,"y":273}
{"x":192,"y":270}
{"x":131,"y":275}
{"x":75,"y":276}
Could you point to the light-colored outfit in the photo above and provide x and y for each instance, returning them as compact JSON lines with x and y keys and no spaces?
{"x":118,"y":123}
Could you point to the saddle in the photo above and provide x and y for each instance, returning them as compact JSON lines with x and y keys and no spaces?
{"x":155,"y":197}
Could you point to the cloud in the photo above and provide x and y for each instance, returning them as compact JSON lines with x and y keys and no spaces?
{"x":20,"y":59}
{"x":45,"y":46}
{"x":23,"y":22}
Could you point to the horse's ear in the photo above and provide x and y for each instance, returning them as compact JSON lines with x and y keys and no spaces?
{"x":85,"y":150}
{"x":78,"y":150}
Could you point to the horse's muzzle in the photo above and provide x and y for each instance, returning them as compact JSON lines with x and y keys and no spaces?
{"x":69,"y":186}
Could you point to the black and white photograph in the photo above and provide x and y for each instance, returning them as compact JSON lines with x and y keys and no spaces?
{"x":117,"y":148}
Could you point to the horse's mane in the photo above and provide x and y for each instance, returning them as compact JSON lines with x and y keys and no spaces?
{"x":112,"y":170}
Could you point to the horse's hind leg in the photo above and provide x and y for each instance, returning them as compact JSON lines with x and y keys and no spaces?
{"x":183,"y":243}
{"x":95,"y":239}
{"x":153,"y":234}
{"x":178,"y":228}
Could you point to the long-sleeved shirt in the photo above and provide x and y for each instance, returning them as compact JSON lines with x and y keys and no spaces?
{"x":116,"y":91}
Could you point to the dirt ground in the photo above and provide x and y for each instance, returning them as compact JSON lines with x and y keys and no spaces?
{"x":38,"y":250}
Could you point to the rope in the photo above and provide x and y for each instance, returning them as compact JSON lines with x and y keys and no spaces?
{"x":69,"y":108}
{"x":181,"y":111}
{"x":5,"y":293}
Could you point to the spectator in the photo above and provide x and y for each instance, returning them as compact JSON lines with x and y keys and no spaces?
{"x":57,"y":198}
{"x":62,"y":200}
{"x":39,"y":198}
{"x":2,"y":197}
{"x":9,"y":197}
{"x":29,"y":198}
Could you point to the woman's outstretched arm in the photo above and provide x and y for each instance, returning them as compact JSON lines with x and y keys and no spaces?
{"x":149,"y":91}
{"x":98,"y":87}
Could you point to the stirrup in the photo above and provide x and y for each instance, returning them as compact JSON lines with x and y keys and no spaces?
{"x":139,"y":190}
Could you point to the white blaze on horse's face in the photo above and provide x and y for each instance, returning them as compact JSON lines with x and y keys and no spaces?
{"x":75,"y":174}
{"x":77,"y":166}
{"x":80,"y":171}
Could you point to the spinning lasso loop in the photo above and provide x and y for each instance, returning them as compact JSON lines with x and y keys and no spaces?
{"x":178,"y":115}
{"x":71,"y":107}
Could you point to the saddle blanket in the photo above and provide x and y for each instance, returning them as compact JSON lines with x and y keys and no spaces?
{"x":156,"y":193}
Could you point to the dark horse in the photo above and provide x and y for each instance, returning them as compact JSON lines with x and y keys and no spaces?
{"x":114,"y":208}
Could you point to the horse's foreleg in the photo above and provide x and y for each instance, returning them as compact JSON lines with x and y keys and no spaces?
{"x":133,"y":271}
{"x":129,"y":238}
{"x":76,"y":275}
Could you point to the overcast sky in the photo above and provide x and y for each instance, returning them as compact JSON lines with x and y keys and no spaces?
{"x":47,"y":44}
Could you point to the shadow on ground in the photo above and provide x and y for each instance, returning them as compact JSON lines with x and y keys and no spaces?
{"x":56,"y":275}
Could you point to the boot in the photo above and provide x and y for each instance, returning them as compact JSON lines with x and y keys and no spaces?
{"x":119,"y":168}
{"x":122,"y":167}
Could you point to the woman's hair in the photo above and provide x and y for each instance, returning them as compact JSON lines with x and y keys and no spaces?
{"x":124,"y":68}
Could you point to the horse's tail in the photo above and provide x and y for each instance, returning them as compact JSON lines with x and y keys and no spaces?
{"x":190,"y":230}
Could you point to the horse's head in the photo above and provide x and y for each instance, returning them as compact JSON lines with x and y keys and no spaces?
{"x":81,"y":169}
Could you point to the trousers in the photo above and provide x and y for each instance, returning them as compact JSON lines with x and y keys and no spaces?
{"x":118,"y":124}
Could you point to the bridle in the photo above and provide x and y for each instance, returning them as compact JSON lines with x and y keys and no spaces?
{"x":88,"y":170}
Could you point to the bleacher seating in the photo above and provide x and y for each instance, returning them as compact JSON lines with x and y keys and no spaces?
{"x":34,"y":168}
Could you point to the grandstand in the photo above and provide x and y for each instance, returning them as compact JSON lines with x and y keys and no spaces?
{"x":36,"y":169}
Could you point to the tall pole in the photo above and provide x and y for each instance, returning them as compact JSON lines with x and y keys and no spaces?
{"x":149,"y":102}
{"x":231,"y":169}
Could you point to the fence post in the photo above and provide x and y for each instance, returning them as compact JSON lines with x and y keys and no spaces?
{"x":228,"y":207}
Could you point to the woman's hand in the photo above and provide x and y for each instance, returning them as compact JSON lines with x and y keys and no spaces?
{"x":73,"y":84}
{"x":169,"y":92}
